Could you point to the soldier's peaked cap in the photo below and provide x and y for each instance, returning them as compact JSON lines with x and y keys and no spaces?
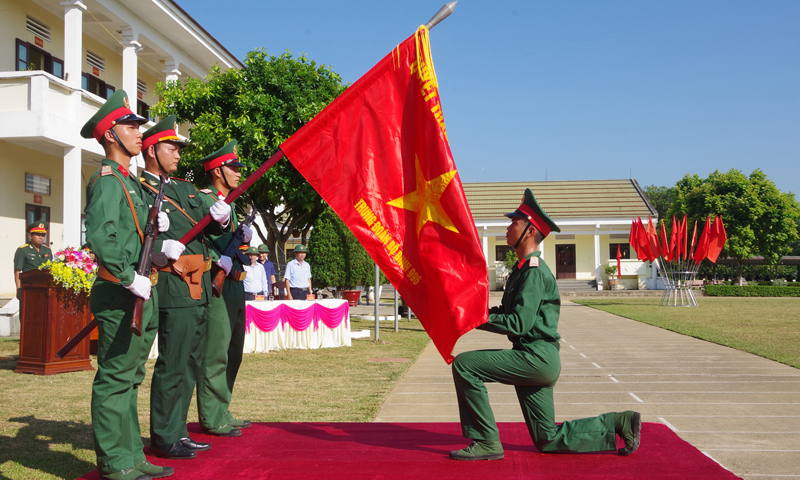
{"x":115,"y":110}
{"x":532,"y":211}
{"x":163,"y":131}
{"x":224,"y":156}
{"x":39,"y":226}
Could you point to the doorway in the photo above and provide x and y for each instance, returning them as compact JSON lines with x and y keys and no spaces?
{"x":565,"y":261}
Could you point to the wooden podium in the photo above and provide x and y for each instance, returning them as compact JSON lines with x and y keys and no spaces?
{"x":49,"y":316}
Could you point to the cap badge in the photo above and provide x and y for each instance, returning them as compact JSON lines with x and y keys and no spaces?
{"x":234,"y":150}
{"x":125,"y":101}
{"x":176,"y":126}
{"x":41,"y":225}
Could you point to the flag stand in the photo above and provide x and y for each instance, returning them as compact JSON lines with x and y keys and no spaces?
{"x":677,"y":288}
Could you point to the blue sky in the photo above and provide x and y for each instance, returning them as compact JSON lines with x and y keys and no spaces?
{"x":571,"y":90}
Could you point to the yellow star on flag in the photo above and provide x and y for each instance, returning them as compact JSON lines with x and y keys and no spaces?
{"x":424,"y":201}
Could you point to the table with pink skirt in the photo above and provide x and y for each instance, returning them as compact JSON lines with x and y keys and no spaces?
{"x":284,"y":324}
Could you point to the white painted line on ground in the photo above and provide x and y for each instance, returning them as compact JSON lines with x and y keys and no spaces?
{"x":635,"y":397}
{"x":596,"y":365}
{"x":582,"y":355}
{"x":712,"y":458}
{"x":767,"y":475}
{"x":671,"y":426}
{"x":612,"y":378}
{"x":572,"y":347}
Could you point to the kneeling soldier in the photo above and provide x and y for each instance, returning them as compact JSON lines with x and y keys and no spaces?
{"x":528,"y":315}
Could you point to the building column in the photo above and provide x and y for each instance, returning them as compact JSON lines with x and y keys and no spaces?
{"x":171,"y":71}
{"x":597,"y":275}
{"x":73,"y":41}
{"x":485,"y":244}
{"x":130,"y":75}
{"x":72,"y":197}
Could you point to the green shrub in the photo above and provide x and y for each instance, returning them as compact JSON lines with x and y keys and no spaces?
{"x":751,"y":291}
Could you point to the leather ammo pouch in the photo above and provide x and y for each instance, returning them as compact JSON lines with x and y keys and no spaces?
{"x":191,"y":269}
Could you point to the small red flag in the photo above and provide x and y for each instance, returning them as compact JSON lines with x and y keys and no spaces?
{"x":716,"y":240}
{"x":379,"y":156}
{"x":619,"y":262}
{"x":694,"y":238}
{"x":632,"y":239}
{"x":702,"y":244}
{"x":685,"y":236}
{"x":665,"y":250}
{"x":652,"y":237}
{"x":644,"y":242}
{"x":675,"y":239}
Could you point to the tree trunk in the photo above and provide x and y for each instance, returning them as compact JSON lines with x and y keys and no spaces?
{"x":740,"y":272}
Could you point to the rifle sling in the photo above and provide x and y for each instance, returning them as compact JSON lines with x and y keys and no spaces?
{"x":130,"y":204}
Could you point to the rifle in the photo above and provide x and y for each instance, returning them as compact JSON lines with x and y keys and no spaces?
{"x":145,"y":264}
{"x":145,"y":267}
{"x":232,"y":250}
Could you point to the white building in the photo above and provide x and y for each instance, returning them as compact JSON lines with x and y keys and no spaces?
{"x":59,"y":60}
{"x":594,"y":217}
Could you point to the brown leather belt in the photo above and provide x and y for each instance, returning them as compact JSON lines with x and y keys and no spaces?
{"x":191,"y":269}
{"x":103,"y":273}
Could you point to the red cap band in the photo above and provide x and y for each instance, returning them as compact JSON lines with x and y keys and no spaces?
{"x":109,"y":121}
{"x":219,"y":161}
{"x":37,"y":230}
{"x":164,"y":136}
{"x":535,"y":219}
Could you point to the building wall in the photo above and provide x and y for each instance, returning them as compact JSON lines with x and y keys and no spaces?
{"x":17,"y":161}
{"x":12,"y":26}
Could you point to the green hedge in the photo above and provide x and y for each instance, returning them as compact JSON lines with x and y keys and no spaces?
{"x":751,"y":291}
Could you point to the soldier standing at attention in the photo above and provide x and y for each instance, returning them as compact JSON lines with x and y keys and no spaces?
{"x":226,"y":316}
{"x":298,"y":275}
{"x":31,"y":255}
{"x":116,"y":214}
{"x":528,"y":315}
{"x":184,"y":288}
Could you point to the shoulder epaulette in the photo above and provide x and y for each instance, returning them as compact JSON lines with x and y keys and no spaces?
{"x":182,"y":180}
{"x":534,"y":262}
{"x":205,"y":190}
{"x":23,"y":246}
{"x":105,"y":170}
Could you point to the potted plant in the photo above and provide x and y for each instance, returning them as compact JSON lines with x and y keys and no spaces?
{"x":611,"y":272}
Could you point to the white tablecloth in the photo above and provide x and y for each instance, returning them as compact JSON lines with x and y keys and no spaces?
{"x":284,"y":336}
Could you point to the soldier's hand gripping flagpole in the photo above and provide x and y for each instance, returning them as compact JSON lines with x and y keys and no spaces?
{"x":232,"y":250}
{"x":232,"y":196}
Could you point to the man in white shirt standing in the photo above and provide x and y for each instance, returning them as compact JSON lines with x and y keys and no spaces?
{"x":255,"y":282}
{"x":298,"y":275}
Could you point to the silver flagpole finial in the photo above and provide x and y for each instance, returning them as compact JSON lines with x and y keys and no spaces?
{"x":443,"y":13}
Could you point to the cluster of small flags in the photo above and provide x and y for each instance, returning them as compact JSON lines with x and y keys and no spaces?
{"x":650,"y":244}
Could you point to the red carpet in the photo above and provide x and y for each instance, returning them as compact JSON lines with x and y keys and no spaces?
{"x":332,"y":451}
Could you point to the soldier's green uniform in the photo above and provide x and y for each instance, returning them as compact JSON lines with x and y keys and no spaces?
{"x":111,"y":233}
{"x":181,"y":317}
{"x":226,"y":318}
{"x":27,"y":257}
{"x":528,"y":315}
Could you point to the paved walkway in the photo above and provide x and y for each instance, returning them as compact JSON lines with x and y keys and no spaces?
{"x":739,"y":409}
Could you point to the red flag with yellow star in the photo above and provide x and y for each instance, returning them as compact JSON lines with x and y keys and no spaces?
{"x":379,"y":156}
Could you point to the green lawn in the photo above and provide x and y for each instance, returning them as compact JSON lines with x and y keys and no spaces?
{"x":45,"y":424}
{"x":769,"y":327}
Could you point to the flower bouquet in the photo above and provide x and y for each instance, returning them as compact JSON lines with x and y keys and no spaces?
{"x":73,"y":269}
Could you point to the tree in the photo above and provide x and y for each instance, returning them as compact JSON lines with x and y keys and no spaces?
{"x":260,"y":105}
{"x":339,"y":261}
{"x":661,"y":198}
{"x":759,"y":219}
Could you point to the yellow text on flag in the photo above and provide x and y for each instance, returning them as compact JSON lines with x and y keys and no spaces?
{"x":385,"y":237}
